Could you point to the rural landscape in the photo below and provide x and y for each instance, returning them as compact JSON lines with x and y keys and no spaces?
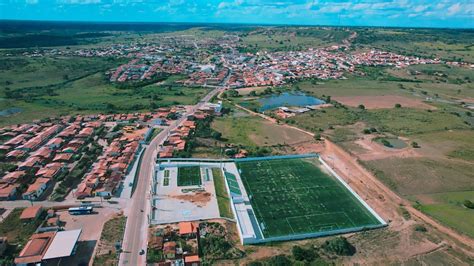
{"x":235,"y":144}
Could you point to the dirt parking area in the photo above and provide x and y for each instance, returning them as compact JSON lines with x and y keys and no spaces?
{"x":383,"y":102}
{"x":90,"y":224}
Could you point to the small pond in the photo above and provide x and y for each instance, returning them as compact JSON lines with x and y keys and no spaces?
{"x":393,"y":143}
{"x":10,"y":111}
{"x":288,"y":99}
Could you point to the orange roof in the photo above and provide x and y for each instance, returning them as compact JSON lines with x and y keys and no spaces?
{"x":187,"y":228}
{"x":31,"y":212}
{"x":35,"y":249}
{"x":192,"y":258}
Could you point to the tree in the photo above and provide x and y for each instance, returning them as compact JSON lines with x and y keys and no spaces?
{"x":317,"y":136}
{"x":361,"y":106}
{"x":216,"y":135}
{"x":397,"y":105}
{"x":468,"y":204}
{"x":415,"y":144}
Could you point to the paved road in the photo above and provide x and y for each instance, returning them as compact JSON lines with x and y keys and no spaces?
{"x":135,"y":238}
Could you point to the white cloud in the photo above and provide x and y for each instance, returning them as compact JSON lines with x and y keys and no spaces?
{"x":454,"y":9}
{"x":79,"y":2}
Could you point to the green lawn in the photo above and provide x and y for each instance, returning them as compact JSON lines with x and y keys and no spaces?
{"x":223,"y":199}
{"x":294,"y":196}
{"x":189,"y":176}
{"x":17,"y":231}
{"x":112,"y":233}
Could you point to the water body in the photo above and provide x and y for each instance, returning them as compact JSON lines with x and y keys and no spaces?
{"x":10,"y":111}
{"x":288,"y":99}
{"x":394,"y":143}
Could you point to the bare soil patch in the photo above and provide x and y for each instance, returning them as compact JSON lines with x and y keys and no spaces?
{"x":373,"y":150}
{"x":199,"y":198}
{"x":383,"y":102}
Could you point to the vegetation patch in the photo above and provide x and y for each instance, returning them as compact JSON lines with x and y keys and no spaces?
{"x":189,"y":176}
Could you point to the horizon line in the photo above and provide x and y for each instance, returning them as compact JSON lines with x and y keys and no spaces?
{"x":229,"y":23}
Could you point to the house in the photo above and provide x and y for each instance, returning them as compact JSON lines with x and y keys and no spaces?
{"x":8,"y":191}
{"x":85,"y":132}
{"x":83,"y":191}
{"x":36,"y":189}
{"x":49,"y":172}
{"x":35,"y":249}
{"x":155,"y":242}
{"x":187,"y":229}
{"x":13,"y":177}
{"x":31,"y":213}
{"x":49,"y":248}
{"x":192,"y":260}
{"x":16,"y":155}
{"x":31,"y":162}
{"x":55,"y":143}
{"x":169,"y":250}
{"x":63,"y":157}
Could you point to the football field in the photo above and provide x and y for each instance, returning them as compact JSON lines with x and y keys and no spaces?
{"x":189,"y":176}
{"x":295,"y":196}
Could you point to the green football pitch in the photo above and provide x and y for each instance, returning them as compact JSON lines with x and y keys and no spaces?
{"x":189,"y":176}
{"x":294,"y":196}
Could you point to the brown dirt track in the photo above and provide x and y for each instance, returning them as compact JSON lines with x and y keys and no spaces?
{"x":383,"y":102}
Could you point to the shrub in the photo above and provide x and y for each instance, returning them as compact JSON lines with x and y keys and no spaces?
{"x":361,"y":106}
{"x":468,"y":204}
{"x":339,"y":246}
{"x":415,"y":144}
{"x":397,"y":105}
{"x":303,"y":254}
{"x":366,"y":131}
{"x":420,"y":228}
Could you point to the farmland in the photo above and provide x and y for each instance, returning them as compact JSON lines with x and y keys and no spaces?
{"x":304,"y":199}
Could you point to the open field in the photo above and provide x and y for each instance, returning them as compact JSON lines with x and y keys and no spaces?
{"x":303,"y":198}
{"x":112,"y":233}
{"x":255,"y":131}
{"x":382,"y":102}
{"x":447,"y":44}
{"x":189,"y":176}
{"x":17,"y":231}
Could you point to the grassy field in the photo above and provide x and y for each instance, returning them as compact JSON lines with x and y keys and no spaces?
{"x":94,"y":94}
{"x":286,"y":38}
{"x":255,"y":131}
{"x":448,"y":209}
{"x":17,"y":231}
{"x":303,"y":198}
{"x":112,"y":233}
{"x":447,"y":44}
{"x":223,"y":199}
{"x":189,"y":176}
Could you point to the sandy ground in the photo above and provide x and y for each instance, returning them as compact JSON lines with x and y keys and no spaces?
{"x":173,"y":205}
{"x":247,"y":90}
{"x":373,"y":150}
{"x":91,"y":224}
{"x":136,"y":133}
{"x":386,"y":203}
{"x":385,"y":101}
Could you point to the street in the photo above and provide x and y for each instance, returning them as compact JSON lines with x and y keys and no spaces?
{"x":135,"y":238}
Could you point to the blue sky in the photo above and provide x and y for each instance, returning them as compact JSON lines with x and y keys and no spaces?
{"x":420,"y":13}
